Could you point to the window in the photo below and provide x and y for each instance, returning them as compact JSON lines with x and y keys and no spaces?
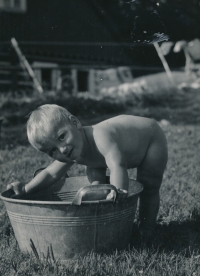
{"x":13,"y":5}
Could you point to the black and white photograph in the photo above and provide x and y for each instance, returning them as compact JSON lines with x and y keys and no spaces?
{"x":100,"y":137}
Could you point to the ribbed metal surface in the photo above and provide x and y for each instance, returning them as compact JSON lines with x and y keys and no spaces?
{"x":64,"y":196}
{"x":49,"y":218}
{"x":72,"y":221}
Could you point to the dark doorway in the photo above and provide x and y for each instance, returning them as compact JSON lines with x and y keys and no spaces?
{"x":46,"y":78}
{"x":82,"y":81}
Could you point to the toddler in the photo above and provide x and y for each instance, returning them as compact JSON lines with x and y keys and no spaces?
{"x":118,"y":143}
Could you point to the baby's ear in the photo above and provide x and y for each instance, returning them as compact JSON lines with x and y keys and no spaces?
{"x":75,"y":122}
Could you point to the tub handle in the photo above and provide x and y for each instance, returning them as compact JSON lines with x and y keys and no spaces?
{"x":94,"y":188}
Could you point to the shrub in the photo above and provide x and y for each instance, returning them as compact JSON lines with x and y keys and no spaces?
{"x":15,"y":109}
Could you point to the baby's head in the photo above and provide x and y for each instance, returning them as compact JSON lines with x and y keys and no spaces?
{"x":43,"y":121}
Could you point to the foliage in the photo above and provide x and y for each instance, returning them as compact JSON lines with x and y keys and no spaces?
{"x":16,"y":107}
{"x":179,"y":19}
{"x":153,"y":96}
{"x":149,"y":96}
{"x":153,"y":90}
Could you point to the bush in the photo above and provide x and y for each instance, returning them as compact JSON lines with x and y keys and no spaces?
{"x":15,"y":108}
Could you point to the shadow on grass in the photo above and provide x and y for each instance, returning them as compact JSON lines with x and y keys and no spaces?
{"x":178,"y":237}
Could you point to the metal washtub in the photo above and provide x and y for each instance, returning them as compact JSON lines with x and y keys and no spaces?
{"x":59,"y":218}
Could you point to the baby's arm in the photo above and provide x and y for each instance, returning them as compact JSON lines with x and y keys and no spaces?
{"x":98,"y":176}
{"x":109,"y":146}
{"x":116,"y":162}
{"x":44,"y":179}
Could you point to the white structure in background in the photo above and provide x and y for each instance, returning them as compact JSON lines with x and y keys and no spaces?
{"x":191,"y":50}
{"x":99,"y":79}
{"x":192,"y":59}
{"x":16,"y":6}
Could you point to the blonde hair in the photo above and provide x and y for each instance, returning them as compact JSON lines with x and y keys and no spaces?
{"x":42,"y":119}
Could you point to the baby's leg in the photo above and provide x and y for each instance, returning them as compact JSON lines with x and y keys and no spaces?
{"x":150,"y":174}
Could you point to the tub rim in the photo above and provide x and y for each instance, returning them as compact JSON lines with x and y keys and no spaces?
{"x":41,"y":202}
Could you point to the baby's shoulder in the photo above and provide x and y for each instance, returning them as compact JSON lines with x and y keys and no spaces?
{"x":115,"y":120}
{"x":125,"y":119}
{"x":122,"y":122}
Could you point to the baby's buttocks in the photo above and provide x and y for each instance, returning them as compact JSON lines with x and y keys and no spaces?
{"x":157,"y":153}
{"x":136,"y":145}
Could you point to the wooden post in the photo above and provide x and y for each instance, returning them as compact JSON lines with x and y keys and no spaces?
{"x":74,"y":81}
{"x":24,"y":61}
{"x":13,"y":71}
{"x":91,"y":81}
{"x":55,"y":76}
{"x":164,"y":62}
{"x":188,"y":61}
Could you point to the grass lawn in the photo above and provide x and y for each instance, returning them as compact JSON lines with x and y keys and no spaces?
{"x":174,"y":248}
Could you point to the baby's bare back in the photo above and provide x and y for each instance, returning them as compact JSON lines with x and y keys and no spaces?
{"x":130,"y":134}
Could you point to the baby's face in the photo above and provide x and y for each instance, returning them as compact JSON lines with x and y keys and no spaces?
{"x":64,"y":142}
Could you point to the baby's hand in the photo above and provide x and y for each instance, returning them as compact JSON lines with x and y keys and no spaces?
{"x":121,"y":194}
{"x":18,"y":188}
{"x":111,"y":195}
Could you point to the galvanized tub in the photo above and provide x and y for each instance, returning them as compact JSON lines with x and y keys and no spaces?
{"x":52,"y":219}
